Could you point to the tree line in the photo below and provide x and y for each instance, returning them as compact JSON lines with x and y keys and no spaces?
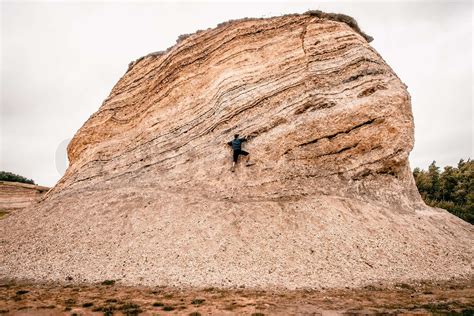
{"x":451,"y":189}
{"x":11,"y":177}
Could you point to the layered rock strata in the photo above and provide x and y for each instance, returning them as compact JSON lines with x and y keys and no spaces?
{"x":15,"y":195}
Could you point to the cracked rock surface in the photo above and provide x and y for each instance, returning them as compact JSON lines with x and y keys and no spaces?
{"x":148,"y":197}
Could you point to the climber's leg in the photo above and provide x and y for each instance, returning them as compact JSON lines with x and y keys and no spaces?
{"x":247,"y":160}
{"x":234,"y":160}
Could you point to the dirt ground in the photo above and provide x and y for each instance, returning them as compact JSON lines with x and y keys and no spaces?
{"x":107,"y":298}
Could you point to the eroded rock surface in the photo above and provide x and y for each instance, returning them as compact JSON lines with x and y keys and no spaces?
{"x":15,"y":195}
{"x":330,"y":202}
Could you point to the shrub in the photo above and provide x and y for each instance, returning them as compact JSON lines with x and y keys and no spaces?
{"x":21,"y":292}
{"x":107,"y":310}
{"x":108,"y":282}
{"x":11,"y":177}
{"x":130,"y":309}
{"x":168,"y":308}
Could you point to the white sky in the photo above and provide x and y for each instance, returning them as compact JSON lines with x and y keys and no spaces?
{"x":59,"y":61}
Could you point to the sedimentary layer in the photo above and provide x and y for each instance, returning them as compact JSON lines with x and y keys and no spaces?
{"x":15,"y":195}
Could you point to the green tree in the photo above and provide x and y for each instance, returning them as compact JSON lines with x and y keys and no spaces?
{"x":11,"y":177}
{"x":448,"y":183}
{"x":452,"y":189}
{"x":433,"y":175}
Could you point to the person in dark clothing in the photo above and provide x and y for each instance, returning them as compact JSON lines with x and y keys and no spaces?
{"x":236,"y":144}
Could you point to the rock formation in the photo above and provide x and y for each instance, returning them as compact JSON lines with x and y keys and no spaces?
{"x":148,"y":197}
{"x":15,"y":195}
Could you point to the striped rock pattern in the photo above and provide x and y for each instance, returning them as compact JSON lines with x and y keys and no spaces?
{"x":148,"y":197}
{"x":15,"y":195}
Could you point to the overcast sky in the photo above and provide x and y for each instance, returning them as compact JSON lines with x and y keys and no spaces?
{"x":59,"y":61}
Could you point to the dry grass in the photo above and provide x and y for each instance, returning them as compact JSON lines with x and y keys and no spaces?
{"x":449,"y":297}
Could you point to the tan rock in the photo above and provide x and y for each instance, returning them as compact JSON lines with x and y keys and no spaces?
{"x":15,"y":195}
{"x":330,"y":202}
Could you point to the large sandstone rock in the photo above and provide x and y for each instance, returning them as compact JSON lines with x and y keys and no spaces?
{"x":15,"y":195}
{"x":148,"y":196}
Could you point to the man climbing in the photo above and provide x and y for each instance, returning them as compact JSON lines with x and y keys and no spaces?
{"x":236,"y":144}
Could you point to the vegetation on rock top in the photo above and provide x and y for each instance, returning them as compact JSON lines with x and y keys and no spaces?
{"x":11,"y":177}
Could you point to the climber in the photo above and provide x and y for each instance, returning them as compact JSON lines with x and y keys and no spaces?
{"x":236,"y":144}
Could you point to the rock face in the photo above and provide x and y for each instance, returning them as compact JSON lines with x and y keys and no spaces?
{"x":330,"y":202}
{"x":15,"y":195}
